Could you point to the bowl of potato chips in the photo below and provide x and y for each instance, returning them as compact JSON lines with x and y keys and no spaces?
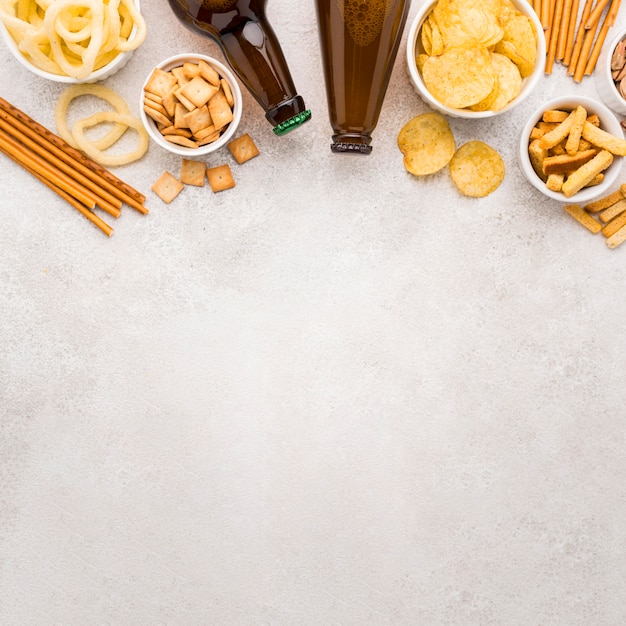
{"x":72,"y":41}
{"x":475,"y":58}
{"x":571,"y":149}
{"x":191,"y":104}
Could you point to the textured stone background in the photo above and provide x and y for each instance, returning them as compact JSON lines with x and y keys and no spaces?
{"x":333,"y":395}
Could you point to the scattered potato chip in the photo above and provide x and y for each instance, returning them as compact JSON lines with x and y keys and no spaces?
{"x":427,"y":144}
{"x":476,"y":169}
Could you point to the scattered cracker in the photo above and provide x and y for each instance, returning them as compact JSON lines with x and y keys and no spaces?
{"x":192,"y":172}
{"x":243,"y":148}
{"x":220,"y":177}
{"x":167,"y":187}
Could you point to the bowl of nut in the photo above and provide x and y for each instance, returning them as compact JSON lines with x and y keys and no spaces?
{"x":571,"y":149}
{"x":64,"y":43}
{"x":610,"y":73}
{"x":191,"y":104}
{"x":472,"y":60}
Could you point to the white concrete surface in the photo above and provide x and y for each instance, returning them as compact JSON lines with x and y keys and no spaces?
{"x":335,"y":394}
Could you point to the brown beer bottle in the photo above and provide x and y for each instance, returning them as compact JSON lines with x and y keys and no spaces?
{"x":359,"y":42}
{"x":250,"y":45}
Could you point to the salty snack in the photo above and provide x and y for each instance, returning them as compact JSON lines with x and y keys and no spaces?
{"x":476,"y":169}
{"x":612,"y":213}
{"x":73,"y":37}
{"x":243,"y":148}
{"x":191,"y":105}
{"x":167,"y":187}
{"x":192,"y":172}
{"x":475,"y":55}
{"x":120,"y":120}
{"x":220,"y":177}
{"x":571,"y":144}
{"x":79,"y":180}
{"x":427,"y":144}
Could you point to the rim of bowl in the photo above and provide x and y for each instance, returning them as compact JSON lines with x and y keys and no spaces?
{"x":225,"y":72}
{"x":609,"y":122}
{"x":604,"y":67}
{"x":528,"y":83}
{"x":103,"y":72}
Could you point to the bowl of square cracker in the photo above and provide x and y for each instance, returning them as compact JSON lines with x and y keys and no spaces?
{"x":571,"y":149}
{"x":191,"y":104}
{"x":471,"y":60}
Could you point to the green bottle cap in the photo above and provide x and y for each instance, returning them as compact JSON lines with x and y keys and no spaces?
{"x":293,"y":122}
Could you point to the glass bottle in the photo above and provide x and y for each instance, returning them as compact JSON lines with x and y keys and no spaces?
{"x":250,"y":45}
{"x":359,"y":42}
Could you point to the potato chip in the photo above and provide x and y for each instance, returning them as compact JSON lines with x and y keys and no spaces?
{"x":459,"y":34}
{"x":476,"y":169}
{"x":519,"y":32}
{"x":460,"y":77}
{"x":467,"y":23}
{"x":427,"y":144}
{"x":509,"y":81}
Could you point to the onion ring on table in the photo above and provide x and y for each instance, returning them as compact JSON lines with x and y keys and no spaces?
{"x":111,"y":159}
{"x":99,"y":91}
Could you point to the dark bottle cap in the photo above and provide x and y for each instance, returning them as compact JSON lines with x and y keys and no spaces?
{"x":351,"y":148}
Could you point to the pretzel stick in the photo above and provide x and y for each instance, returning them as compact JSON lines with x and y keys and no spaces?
{"x":594,"y":15}
{"x":563,"y":29}
{"x":546,"y":7}
{"x":103,"y":199}
{"x":554,"y":35}
{"x":24,"y":156}
{"x":73,"y":157}
{"x":609,"y":20}
{"x":571,"y":31}
{"x":92,"y":217}
{"x":578,"y":41}
{"x":581,"y":63}
{"x":537,"y":8}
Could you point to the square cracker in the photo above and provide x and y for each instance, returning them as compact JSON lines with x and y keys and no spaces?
{"x":198,"y":91}
{"x":192,"y":172}
{"x":160,"y":82}
{"x":220,"y":111}
{"x":167,"y":187}
{"x":220,"y":177}
{"x":243,"y":148}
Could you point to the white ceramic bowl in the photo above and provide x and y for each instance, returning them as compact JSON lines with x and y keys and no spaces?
{"x":414,"y":43}
{"x":603,"y":80}
{"x":176,"y":61}
{"x":104,"y":72}
{"x":608,"y":122}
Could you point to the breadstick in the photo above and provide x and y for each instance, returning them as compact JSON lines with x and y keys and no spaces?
{"x":563,"y":25}
{"x":571,"y":31}
{"x":578,"y":41}
{"x":595,"y":13}
{"x":555,"y":29}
